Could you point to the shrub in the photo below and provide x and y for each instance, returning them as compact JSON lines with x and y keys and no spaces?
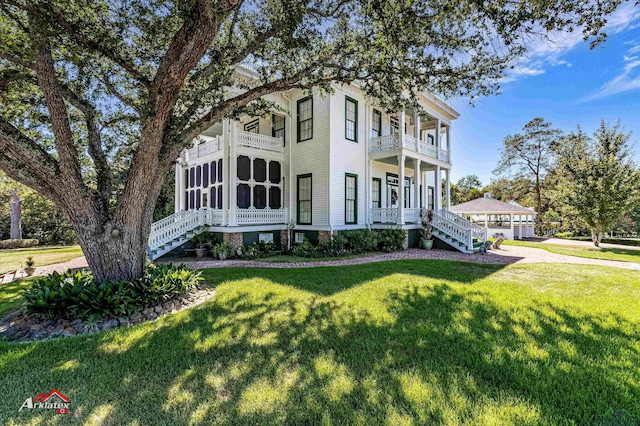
{"x":361,"y":240}
{"x":257,"y":250}
{"x":391,"y":239}
{"x":305,"y":249}
{"x":336,"y":246}
{"x":76,"y":294}
{"x":564,"y":235}
{"x":15,"y":244}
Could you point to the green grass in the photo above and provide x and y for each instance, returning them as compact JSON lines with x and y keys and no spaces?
{"x":10,"y":260}
{"x":404,"y":342}
{"x":10,"y":295}
{"x":622,"y":255}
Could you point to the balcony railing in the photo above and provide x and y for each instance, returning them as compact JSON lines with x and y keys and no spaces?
{"x":257,"y":141}
{"x":206,"y":145}
{"x":391,"y":142}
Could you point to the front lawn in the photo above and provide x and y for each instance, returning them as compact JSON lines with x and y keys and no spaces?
{"x":11,"y":260}
{"x":403,"y":342}
{"x":621,"y":255}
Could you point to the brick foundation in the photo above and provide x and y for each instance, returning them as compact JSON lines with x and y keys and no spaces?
{"x":233,"y":238}
{"x":284,"y":237}
{"x":324,"y":236}
{"x":406,"y":240}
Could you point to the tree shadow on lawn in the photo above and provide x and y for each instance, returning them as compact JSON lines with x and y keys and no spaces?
{"x":328,"y":280}
{"x":261,"y":353}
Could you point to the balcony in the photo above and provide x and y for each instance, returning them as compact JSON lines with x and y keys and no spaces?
{"x":394,"y":141}
{"x":208,"y":145}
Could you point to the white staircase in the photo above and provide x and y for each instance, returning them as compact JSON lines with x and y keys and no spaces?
{"x":457,"y":231}
{"x":175,"y":230}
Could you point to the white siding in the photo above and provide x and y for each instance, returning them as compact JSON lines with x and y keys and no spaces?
{"x":347,"y":156}
{"x":312,"y":156}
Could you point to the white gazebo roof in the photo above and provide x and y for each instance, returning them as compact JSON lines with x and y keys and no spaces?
{"x":487,"y":205}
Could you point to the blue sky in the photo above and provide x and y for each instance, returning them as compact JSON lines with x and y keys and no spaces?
{"x":566,"y":83}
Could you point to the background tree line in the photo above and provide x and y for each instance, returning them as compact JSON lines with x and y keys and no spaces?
{"x":579,"y":184}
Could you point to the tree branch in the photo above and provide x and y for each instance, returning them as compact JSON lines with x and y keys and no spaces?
{"x":49,"y":11}
{"x":58,"y":115}
{"x":27,"y":162}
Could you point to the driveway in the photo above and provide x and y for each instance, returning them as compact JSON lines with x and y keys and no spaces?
{"x":575,"y":243}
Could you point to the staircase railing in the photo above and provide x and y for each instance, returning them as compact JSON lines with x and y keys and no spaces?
{"x":443,"y":223}
{"x":477,"y":231}
{"x":172,"y":227}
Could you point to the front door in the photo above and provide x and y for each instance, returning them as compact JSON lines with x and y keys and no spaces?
{"x":392,"y":196}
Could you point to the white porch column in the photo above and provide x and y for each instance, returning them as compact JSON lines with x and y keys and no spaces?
{"x":437,"y":202}
{"x":416,"y":129}
{"x":486,"y":223}
{"x":369,"y":189}
{"x":449,"y":142}
{"x":233,"y":175}
{"x":437,"y":141}
{"x":401,"y":189}
{"x":401,"y":116}
{"x":423,"y":182}
{"x":416,"y":183}
{"x":448,"y":187}
{"x":178,"y":204}
{"x":226,"y":159}
{"x":368,"y":196}
{"x":511,"y":225}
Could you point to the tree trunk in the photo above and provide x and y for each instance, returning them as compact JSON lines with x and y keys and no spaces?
{"x":596,"y":237}
{"x":116,"y":248}
{"x":15,"y":232}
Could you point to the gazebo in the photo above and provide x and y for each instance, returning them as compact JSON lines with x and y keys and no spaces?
{"x":508,"y":220}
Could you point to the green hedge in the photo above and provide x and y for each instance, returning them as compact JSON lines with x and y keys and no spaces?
{"x":16,"y":244}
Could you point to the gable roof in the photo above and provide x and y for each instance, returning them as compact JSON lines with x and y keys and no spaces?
{"x":491,"y":206}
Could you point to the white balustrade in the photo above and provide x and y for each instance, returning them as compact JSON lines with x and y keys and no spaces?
{"x":206,"y":146}
{"x":384,"y":143}
{"x":260,"y":216}
{"x":410,"y":143}
{"x":257,"y":141}
{"x":390,"y":142}
{"x":384,"y":215}
{"x":412,"y":215}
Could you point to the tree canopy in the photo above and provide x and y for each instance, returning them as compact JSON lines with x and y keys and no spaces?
{"x":99,"y":97}
{"x":597,"y":177}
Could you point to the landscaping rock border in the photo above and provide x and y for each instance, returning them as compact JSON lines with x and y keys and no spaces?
{"x":23,"y":326}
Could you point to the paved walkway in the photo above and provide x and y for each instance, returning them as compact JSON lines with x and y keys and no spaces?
{"x":535,"y":255}
{"x":505,"y":256}
{"x":78,"y":262}
{"x":577,"y":243}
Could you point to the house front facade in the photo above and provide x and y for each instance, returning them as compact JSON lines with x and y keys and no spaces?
{"x":324,"y":163}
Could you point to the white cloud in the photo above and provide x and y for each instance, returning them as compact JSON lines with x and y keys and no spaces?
{"x":627,"y":80}
{"x":544,"y":52}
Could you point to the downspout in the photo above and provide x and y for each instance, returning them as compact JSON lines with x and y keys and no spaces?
{"x":289,"y":219}
{"x":329,"y":174}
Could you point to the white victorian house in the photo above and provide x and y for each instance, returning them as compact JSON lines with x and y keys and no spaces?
{"x":328,"y":163}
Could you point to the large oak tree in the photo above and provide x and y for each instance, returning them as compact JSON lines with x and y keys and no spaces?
{"x":99,"y":97}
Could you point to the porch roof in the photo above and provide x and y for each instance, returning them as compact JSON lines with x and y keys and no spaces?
{"x":487,"y":205}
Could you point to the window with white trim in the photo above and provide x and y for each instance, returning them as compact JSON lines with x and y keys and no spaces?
{"x":350,"y":199}
{"x":305,"y":119}
{"x":304,"y":199}
{"x":351,"y":119}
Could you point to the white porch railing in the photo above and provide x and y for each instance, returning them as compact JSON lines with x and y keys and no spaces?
{"x":385,"y":143}
{"x":412,"y":215}
{"x":477,"y":231}
{"x":206,"y":146}
{"x":384,"y":215}
{"x":444,"y":221}
{"x":257,"y":141}
{"x":390,"y":142}
{"x":260,"y":216}
{"x":173,"y":227}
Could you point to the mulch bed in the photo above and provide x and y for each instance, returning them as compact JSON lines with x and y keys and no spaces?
{"x":23,"y":326}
